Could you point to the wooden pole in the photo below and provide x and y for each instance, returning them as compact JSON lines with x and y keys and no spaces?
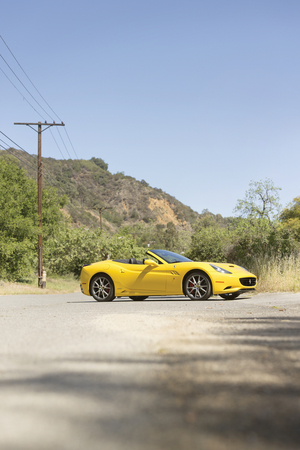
{"x":41,"y":283}
{"x":40,"y":205}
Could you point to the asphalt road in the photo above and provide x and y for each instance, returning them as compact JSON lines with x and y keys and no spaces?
{"x":160,"y":374}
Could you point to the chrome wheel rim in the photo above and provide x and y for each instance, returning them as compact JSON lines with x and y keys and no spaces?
{"x":101,"y":288}
{"x":197,"y":286}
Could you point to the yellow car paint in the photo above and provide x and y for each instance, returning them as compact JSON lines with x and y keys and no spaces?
{"x":146,"y":278}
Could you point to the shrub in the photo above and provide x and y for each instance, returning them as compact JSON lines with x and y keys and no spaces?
{"x":73,"y":248}
{"x":210,"y":244}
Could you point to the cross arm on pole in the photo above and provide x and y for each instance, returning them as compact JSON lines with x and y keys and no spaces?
{"x":40,"y":124}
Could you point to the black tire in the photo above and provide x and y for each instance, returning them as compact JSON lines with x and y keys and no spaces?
{"x":197,"y":286}
{"x":102,"y":288}
{"x":230,"y":296}
{"x":138,"y":298}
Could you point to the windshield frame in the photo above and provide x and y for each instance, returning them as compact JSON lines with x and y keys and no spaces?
{"x":168,"y":257}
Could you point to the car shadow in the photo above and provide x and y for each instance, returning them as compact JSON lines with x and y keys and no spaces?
{"x":164,"y":299}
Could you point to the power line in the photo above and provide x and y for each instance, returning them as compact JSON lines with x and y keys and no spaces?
{"x":57,"y":144}
{"x":30,"y":79}
{"x":31,"y":107}
{"x":17,"y":145}
{"x":71,"y":142}
{"x":25,"y":87}
{"x":47,"y":175}
{"x":49,"y":115}
{"x":24,"y":98}
{"x":45,"y":171}
{"x":40,"y":190}
{"x":13,"y":154}
{"x":31,"y":156}
{"x":64,"y":143}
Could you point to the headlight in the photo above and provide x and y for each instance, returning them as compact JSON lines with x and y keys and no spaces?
{"x":219,"y":269}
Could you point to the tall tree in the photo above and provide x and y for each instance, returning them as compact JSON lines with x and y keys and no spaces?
{"x":170,"y":236}
{"x":19,"y":220}
{"x":261,"y":201}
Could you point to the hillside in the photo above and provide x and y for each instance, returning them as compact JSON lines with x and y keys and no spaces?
{"x":122,"y":199}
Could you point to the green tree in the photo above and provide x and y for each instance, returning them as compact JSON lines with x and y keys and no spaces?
{"x":255,"y":238}
{"x":19,"y":220}
{"x":53,"y":217}
{"x":210,"y":244}
{"x":171,"y":237}
{"x":100,"y":163}
{"x":261,"y":201}
{"x":290,"y":218}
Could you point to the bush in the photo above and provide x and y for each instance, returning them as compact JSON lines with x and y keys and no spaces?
{"x":259,"y":238}
{"x":210,"y":244}
{"x":16,"y":259}
{"x":71,"y":249}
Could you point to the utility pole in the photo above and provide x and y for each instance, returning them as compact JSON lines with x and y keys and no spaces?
{"x":41,"y":284}
{"x":102,"y":208}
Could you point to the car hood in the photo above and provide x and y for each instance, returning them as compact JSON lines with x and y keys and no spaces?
{"x":233,"y":268}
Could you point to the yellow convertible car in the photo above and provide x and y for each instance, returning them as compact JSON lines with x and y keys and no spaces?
{"x":164,"y":273}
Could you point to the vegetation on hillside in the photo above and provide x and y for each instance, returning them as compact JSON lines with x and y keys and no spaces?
{"x":123,"y":200}
{"x":262,"y":237}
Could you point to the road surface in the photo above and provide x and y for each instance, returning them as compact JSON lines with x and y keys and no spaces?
{"x":160,"y":374}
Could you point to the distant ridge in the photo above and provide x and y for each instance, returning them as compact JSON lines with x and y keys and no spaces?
{"x":90,"y":186}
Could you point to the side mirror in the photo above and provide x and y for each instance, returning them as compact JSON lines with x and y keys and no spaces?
{"x":150,"y":262}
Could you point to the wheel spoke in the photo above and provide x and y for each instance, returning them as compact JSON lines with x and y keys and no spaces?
{"x":101,"y":288}
{"x":197,"y":286}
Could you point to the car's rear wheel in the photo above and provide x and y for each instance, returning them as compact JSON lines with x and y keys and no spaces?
{"x":229,"y":296}
{"x":197,"y":286}
{"x":102,"y":288}
{"x":138,"y":298}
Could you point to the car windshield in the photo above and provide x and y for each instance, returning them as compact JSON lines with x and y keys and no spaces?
{"x":170,"y":257}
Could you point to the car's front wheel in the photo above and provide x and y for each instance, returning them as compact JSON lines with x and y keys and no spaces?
{"x":197,"y":286}
{"x":102,"y":288}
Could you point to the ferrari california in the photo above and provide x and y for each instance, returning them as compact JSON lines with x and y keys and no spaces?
{"x":164,"y":273}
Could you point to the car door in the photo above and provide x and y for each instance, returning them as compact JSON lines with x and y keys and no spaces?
{"x":174,"y":280}
{"x":144,"y":278}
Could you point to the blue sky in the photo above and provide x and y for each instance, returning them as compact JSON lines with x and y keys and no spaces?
{"x":198,"y":98}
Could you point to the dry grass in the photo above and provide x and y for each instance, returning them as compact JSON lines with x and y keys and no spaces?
{"x":277,"y":274}
{"x":54,"y":285}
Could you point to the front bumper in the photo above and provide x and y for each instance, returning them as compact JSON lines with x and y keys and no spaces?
{"x":236,"y":282}
{"x":84,"y":287}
